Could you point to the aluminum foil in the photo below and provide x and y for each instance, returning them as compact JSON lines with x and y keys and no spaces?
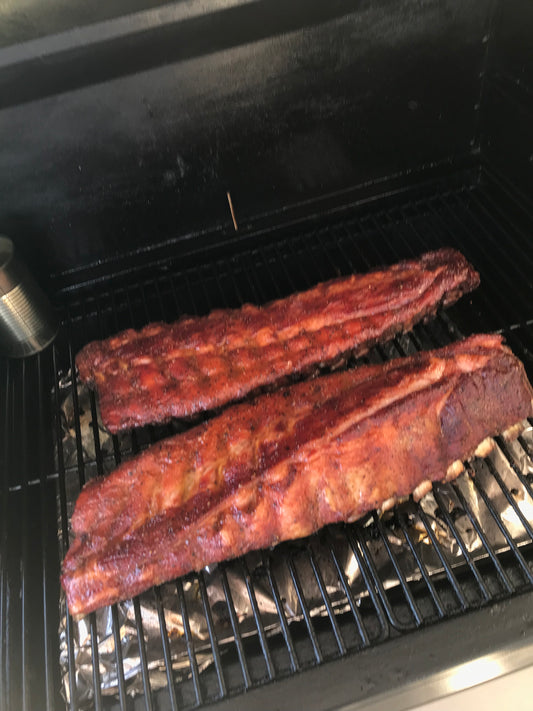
{"x":158,"y":613}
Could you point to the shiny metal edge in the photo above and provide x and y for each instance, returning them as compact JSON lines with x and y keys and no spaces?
{"x":411,"y":669}
{"x":455,"y":679}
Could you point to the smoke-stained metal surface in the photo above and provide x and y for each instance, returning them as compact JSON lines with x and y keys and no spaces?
{"x":122,"y":141}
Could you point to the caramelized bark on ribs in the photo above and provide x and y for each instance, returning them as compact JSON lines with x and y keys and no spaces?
{"x":197,"y":364}
{"x":288,"y":463}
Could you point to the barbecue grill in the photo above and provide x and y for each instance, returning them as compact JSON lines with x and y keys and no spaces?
{"x":170,"y":159}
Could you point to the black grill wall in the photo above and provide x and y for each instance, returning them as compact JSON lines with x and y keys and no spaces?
{"x":507,"y":139}
{"x":129,"y":132}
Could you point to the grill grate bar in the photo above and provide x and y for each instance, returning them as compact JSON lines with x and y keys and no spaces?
{"x":95,"y":663}
{"x":305,"y":610}
{"x":490,"y":550}
{"x":119,"y":659}
{"x":445,"y":564}
{"x":212,"y":635}
{"x":371,"y":575}
{"x":258,"y":621}
{"x":236,"y":631}
{"x":295,"y":666}
{"x":96,"y":435}
{"x":365,"y":639}
{"x":73,"y":689}
{"x":166,"y":649}
{"x":401,"y":577}
{"x":102,"y":335}
{"x":76,"y":408}
{"x":466,"y":554}
{"x":148,"y":702}
{"x":327,"y":601}
{"x":422,"y":568}
{"x":189,"y":643}
{"x":452,"y":328}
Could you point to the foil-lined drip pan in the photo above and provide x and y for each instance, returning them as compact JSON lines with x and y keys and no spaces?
{"x":463,"y":518}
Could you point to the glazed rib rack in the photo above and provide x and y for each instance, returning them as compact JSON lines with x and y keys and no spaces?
{"x":52,"y":444}
{"x":199,"y":363}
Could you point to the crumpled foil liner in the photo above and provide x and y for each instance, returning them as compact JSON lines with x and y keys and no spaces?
{"x":210,"y":587}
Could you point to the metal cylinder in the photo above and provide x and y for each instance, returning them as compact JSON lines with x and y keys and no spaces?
{"x":27,"y":321}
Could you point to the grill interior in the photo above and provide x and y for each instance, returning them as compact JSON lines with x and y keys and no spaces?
{"x":42,"y":470}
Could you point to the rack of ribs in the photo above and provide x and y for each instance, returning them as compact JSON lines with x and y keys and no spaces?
{"x":201,"y":363}
{"x":287,"y":463}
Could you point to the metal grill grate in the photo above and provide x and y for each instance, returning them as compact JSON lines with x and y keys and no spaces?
{"x":38,"y":471}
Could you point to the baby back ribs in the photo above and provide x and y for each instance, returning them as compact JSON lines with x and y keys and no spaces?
{"x":288,"y":463}
{"x":197,"y":364}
